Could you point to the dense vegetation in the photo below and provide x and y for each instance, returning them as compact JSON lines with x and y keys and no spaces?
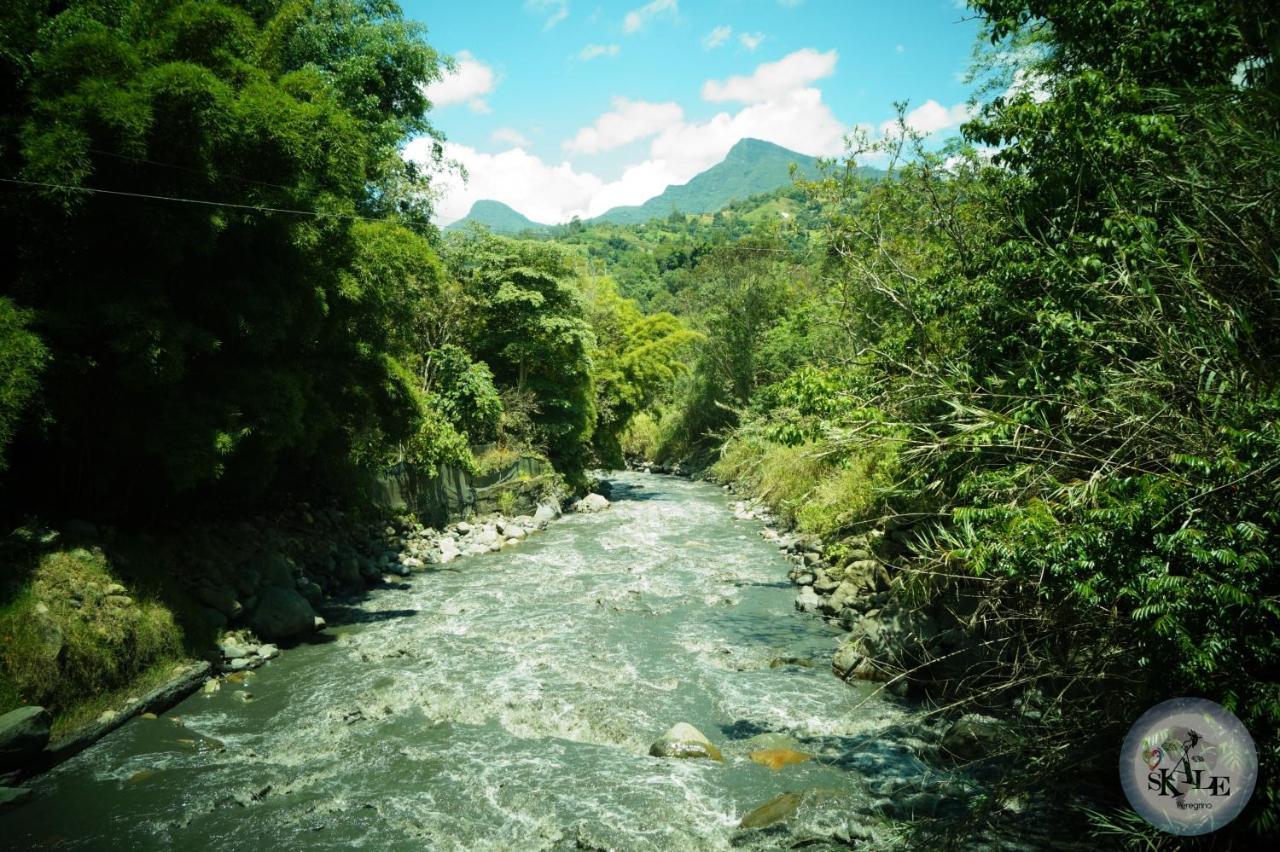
{"x":1049,"y":364}
{"x":222,"y":277}
{"x":1045,"y":356}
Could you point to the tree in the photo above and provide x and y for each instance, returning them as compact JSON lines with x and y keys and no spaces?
{"x":528,"y":325}
{"x":191,"y":341}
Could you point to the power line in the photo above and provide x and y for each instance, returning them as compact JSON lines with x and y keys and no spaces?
{"x":201,"y":202}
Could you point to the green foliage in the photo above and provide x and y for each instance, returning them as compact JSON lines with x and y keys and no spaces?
{"x":22,"y":357}
{"x":194,"y":344}
{"x":637,"y":357}
{"x":528,"y":324}
{"x":464,"y":392}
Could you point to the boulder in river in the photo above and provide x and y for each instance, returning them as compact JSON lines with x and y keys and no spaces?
{"x":685,"y":741}
{"x":546,"y":513}
{"x":23,"y":734}
{"x":591,"y":504}
{"x":807,"y":600}
{"x":282,"y":614}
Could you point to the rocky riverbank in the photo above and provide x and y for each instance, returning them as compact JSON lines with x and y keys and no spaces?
{"x":239,"y":592}
{"x":922,"y":652}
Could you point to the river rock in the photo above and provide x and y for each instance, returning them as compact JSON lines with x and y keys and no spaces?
{"x":23,"y":734}
{"x":591,"y":504}
{"x":545,"y":514}
{"x":685,"y":741}
{"x":412,"y":563}
{"x":268,"y":651}
{"x":234,"y":648}
{"x":448,"y":549}
{"x":275,"y":571}
{"x":511,"y":530}
{"x":463,"y":527}
{"x":776,"y":758}
{"x":974,"y":736}
{"x":282,"y":614}
{"x":808,"y":600}
{"x":775,"y":810}
{"x":219,"y":598}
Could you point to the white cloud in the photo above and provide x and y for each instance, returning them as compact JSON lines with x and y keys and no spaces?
{"x":751,"y":40}
{"x":628,"y":121}
{"x":774,"y":79}
{"x":510,"y":136}
{"x":594,"y":51}
{"x":555,"y":10}
{"x":545,"y":193}
{"x":465,"y":84}
{"x":930,"y":117}
{"x":716,"y":37}
{"x":793,"y":117}
{"x":637,"y":18}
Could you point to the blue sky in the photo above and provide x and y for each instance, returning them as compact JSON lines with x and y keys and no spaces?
{"x":569,"y":107}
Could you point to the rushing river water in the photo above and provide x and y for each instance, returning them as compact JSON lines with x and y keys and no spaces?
{"x":508,"y":701}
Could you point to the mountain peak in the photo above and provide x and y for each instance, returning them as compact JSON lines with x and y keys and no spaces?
{"x":747,"y":148}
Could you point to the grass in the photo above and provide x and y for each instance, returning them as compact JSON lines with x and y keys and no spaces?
{"x":805,"y":485}
{"x":81,"y":713}
{"x":495,"y":459}
{"x":66,"y":643}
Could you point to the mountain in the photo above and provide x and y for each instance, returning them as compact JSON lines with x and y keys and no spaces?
{"x":752,"y":167}
{"x":497,"y":217}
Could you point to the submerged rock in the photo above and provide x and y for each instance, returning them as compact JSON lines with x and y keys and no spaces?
{"x":685,"y":741}
{"x":775,"y":810}
{"x":776,"y":758}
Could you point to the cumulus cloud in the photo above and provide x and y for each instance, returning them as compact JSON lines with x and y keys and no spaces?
{"x":595,"y":51}
{"x":751,"y":40}
{"x":774,"y":79}
{"x":469,"y":80}
{"x":637,"y":18}
{"x":628,"y":121}
{"x":554,"y":10}
{"x":510,"y":136}
{"x":717,"y":37}
{"x":930,"y":117}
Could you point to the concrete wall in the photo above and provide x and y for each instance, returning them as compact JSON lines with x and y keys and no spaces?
{"x":453,"y":494}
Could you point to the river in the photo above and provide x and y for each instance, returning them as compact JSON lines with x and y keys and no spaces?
{"x":508,"y":701}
